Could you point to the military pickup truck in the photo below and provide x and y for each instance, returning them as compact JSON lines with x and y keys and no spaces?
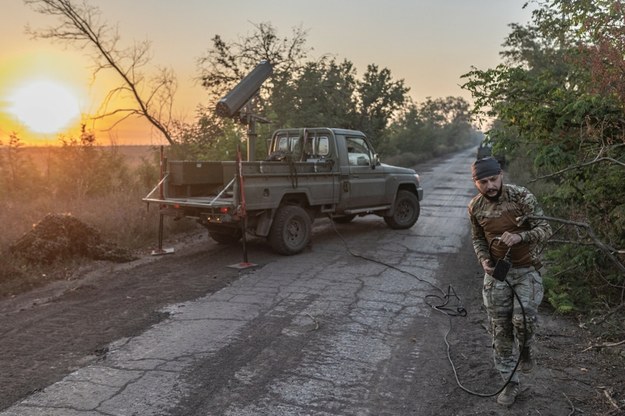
{"x":308,"y":173}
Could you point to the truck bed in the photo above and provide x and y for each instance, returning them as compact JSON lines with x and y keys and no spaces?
{"x":212,"y":184}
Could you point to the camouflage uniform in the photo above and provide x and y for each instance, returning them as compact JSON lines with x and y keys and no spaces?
{"x":490,"y":219}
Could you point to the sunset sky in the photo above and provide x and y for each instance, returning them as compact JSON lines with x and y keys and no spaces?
{"x":427,"y":43}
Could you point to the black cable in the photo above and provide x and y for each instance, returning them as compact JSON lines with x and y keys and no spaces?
{"x":442,"y":308}
{"x":379,"y":261}
{"x":513,"y":370}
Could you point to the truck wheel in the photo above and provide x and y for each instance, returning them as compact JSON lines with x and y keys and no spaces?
{"x":406,"y":211}
{"x":291,"y":230}
{"x":227,"y":236}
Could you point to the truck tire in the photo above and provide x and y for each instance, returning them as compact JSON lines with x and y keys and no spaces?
{"x":291,"y":230}
{"x":227,"y":236}
{"x":406,"y":211}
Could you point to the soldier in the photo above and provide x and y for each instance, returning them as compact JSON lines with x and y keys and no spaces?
{"x":494,"y":214}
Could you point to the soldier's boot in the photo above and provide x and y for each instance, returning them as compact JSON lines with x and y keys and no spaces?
{"x":527,"y":360}
{"x":508,"y":394}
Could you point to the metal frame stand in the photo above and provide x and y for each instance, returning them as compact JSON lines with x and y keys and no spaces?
{"x":160,"y":250}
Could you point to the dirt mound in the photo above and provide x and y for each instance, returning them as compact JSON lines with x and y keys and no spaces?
{"x":63,"y":237}
{"x":8,"y":270}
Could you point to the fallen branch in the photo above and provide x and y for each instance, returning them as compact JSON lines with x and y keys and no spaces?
{"x":605,"y":345}
{"x":571,"y":404}
{"x":607,"y":315}
{"x":611,"y":400}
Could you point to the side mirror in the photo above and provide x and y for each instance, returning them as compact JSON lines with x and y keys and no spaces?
{"x":376,"y":160}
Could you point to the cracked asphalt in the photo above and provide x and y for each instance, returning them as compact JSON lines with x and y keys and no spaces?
{"x":344,"y":328}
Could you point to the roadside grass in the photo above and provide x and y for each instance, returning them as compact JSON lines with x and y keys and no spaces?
{"x":116,"y":211}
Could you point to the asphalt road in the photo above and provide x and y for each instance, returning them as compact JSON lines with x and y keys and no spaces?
{"x":344,"y":328}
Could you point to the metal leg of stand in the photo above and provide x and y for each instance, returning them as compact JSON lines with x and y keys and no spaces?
{"x":160,"y":232}
{"x":160,"y":250}
{"x":244,"y":239}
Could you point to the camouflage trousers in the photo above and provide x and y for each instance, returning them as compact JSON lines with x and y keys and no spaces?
{"x":506,"y":317}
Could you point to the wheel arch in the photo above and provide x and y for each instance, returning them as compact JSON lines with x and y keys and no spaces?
{"x":410,"y":187}
{"x":265,"y":220}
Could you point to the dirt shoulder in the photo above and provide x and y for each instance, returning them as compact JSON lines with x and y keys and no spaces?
{"x":572,"y":377}
{"x":50,"y":331}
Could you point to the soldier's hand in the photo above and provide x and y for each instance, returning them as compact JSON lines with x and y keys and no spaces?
{"x":488,"y":267}
{"x":511,"y":239}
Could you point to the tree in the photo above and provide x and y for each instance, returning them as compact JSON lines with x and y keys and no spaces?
{"x":225,"y":64}
{"x":301,"y":92}
{"x":321,"y":94}
{"x":80,"y":25}
{"x":559,"y":94}
{"x":431,"y":128}
{"x":379,"y":98}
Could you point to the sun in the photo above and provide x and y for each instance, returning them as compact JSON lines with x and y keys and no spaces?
{"x":44,"y":106}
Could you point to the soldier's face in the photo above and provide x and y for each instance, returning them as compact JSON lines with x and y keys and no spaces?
{"x":490,"y":187}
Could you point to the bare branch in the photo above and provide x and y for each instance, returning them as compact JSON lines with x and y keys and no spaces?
{"x":605,"y":345}
{"x":578,"y":243}
{"x":604,"y":247}
{"x":560,"y":172}
{"x":130,"y":114}
{"x":607,"y":315}
{"x":611,"y":400}
{"x":115,"y":112}
{"x":79,"y":23}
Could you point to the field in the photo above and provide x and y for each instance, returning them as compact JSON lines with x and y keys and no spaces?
{"x":99,"y":188}
{"x":133,"y":155}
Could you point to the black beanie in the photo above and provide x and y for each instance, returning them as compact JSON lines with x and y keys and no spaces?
{"x":484,"y":168}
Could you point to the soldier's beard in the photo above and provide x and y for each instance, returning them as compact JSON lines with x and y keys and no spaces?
{"x":495,"y":197}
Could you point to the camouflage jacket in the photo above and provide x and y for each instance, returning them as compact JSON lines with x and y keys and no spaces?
{"x":491,"y":219}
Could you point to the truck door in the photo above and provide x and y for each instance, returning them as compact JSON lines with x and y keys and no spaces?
{"x":366,"y":186}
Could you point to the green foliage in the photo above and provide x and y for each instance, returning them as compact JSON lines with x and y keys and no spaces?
{"x":379,"y":98}
{"x":580,"y":283}
{"x":560,"y":98}
{"x":315,"y":93}
{"x":225,"y":64}
{"x":147,"y":173}
{"x":80,"y":168}
{"x":431,"y":129}
{"x":321,"y":94}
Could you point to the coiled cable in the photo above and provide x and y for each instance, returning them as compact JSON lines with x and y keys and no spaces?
{"x":443,"y":307}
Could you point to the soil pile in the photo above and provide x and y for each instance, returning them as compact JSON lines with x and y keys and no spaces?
{"x":8,"y":271}
{"x":59,"y":237}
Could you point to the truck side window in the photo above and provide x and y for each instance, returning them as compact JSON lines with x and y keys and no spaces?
{"x":358,"y":152}
{"x":316,"y":148}
{"x":323,"y":147}
{"x":292,"y":144}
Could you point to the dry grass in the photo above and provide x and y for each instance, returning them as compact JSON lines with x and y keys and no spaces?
{"x":119,"y":215}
